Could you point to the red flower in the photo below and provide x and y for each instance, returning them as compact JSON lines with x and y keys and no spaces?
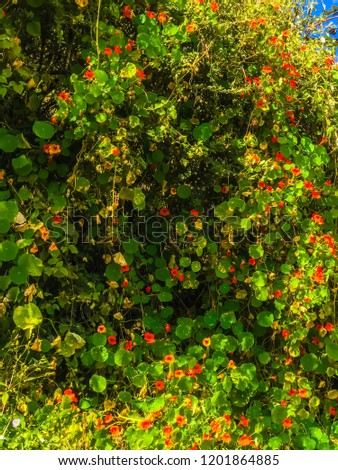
{"x":284,"y":403}
{"x":248,"y":79}
{"x":89,"y":74}
{"x":108,"y":51}
{"x":293,"y":84}
{"x":295,"y":171}
{"x":266,"y":69}
{"x":194,"y":213}
{"x":315,"y":195}
{"x":181,"y":277}
{"x":269,"y":189}
{"x":308,"y":185}
{"x":245,"y":440}
{"x":260,"y":104}
{"x":315,"y":340}
{"x":286,"y":334}
{"x":180,"y":420}
{"x":292,"y":392}
{"x":174,"y":272}
{"x":164,"y":211}
{"x":252,"y":261}
{"x":57,"y":219}
{"x":140,"y":73}
{"x":151,"y":14}
{"x":162,"y":17}
{"x":274,"y":139}
{"x":214,"y":6}
{"x":302,"y":392}
{"x":114,"y":430}
{"x":112,"y":340}
{"x":125,"y":269}
{"x":287,"y":423}
{"x":278,"y":293}
{"x":167,"y":327}
{"x":159,"y":385}
{"x":148,"y":289}
{"x":279,"y":157}
{"x":128,"y":346}
{"x":328,"y":183}
{"x":117,"y":49}
{"x":332,"y":411}
{"x":145,"y":424}
{"x":318,"y":276}
{"x":329,"y":327}
{"x":317,"y":219}
{"x":243,"y":421}
{"x":125,"y":283}
{"x":149,"y":338}
{"x":127,"y":11}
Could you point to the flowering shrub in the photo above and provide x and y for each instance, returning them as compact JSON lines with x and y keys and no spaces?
{"x":167,"y":224}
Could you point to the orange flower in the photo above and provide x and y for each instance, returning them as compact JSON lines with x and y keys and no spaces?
{"x":231,"y":364}
{"x":215,"y":426}
{"x":214,"y":6}
{"x":140,"y":73}
{"x":302,"y":392}
{"x":179,"y":373}
{"x":169,"y":358}
{"x":243,"y":421}
{"x":245,"y":440}
{"x":89,"y":74}
{"x":44,"y":233}
{"x":115,"y":151}
{"x":287,"y":423}
{"x":206,"y":342}
{"x":159,"y":385}
{"x":149,"y":338}
{"x":164,"y":211}
{"x":114,"y":430}
{"x":53,"y":247}
{"x":226,"y":438}
{"x":266,"y":69}
{"x":180,"y":420}
{"x":101,"y":329}
{"x":288,"y":361}
{"x":173,"y":191}
{"x":162,"y":17}
{"x":167,"y":430}
{"x":315,"y":69}
{"x":227,"y":419}
{"x":145,"y":424}
{"x":99,"y":424}
{"x":108,"y":418}
{"x":33,"y":249}
{"x":317,"y":219}
{"x":168,"y":443}
{"x":190,"y":28}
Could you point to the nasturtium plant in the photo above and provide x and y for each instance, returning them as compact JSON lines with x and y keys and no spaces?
{"x":168,"y":245}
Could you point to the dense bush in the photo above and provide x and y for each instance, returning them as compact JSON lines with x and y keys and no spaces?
{"x":167,"y":221}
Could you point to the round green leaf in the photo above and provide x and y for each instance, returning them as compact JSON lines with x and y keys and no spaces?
{"x":99,"y":339}
{"x":18,"y":274}
{"x":331,"y":350}
{"x":183,"y":191}
{"x":125,"y":397}
{"x":9,"y":210}
{"x":34,"y":28}
{"x":113,"y":272}
{"x":98,"y":383}
{"x":202,"y":132}
{"x":22,"y":165}
{"x":122,"y":357}
{"x":131,"y":246}
{"x":185,"y":262}
{"x":4,"y":225}
{"x":265,"y":319}
{"x":183,"y":331}
{"x":99,"y":353}
{"x":309,"y":362}
{"x":74,"y":340}
{"x":224,"y":288}
{"x":33,"y":264}
{"x":139,"y":380}
{"x":43,"y":129}
{"x":256,"y":251}
{"x":8,"y":250}
{"x":8,"y":143}
{"x":101,"y":76}
{"x":195,"y":266}
{"x":227,"y":319}
{"x":27,"y":317}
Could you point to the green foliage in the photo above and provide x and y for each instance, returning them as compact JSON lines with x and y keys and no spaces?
{"x":167,"y":223}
